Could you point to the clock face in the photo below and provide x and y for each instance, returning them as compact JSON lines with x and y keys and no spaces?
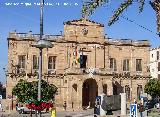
{"x":84,"y":31}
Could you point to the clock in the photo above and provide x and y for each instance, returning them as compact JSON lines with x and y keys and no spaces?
{"x":84,"y":31}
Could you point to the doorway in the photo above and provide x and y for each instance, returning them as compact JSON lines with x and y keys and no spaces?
{"x":83,"y":60}
{"x":89,"y":93}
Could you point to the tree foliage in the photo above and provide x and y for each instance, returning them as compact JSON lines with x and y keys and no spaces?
{"x":2,"y":91}
{"x":153,"y":88}
{"x":28,"y":91}
{"x":90,"y":6}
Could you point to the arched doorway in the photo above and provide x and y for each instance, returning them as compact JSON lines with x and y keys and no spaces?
{"x":139,"y":91}
{"x":89,"y":92}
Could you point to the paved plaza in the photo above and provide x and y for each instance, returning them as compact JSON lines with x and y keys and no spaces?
{"x":70,"y":113}
{"x":85,"y":113}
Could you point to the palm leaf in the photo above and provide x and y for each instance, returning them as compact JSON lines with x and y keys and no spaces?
{"x":90,"y":6}
{"x":141,"y":5}
{"x":119,"y":11}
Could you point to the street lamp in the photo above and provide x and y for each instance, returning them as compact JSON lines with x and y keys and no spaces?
{"x":41,"y":43}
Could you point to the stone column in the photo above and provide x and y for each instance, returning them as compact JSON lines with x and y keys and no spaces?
{"x":123,"y":103}
{"x":100,"y":87}
{"x":109,"y":88}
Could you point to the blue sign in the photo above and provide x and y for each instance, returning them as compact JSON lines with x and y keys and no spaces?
{"x":133,"y":110}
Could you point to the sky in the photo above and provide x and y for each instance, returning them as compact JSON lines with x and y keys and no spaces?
{"x":24,"y":16}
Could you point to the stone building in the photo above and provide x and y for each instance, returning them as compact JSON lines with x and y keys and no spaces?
{"x":155,"y":62}
{"x":83,"y":63}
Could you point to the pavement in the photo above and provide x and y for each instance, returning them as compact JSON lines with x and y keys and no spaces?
{"x":82,"y":113}
{"x":71,"y":113}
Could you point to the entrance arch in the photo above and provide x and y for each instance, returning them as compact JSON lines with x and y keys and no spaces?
{"x":89,"y":92}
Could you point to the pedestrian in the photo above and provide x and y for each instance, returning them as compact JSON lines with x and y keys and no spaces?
{"x":65,"y":105}
{"x":135,"y":102}
{"x":141,"y":109}
{"x":17,"y":106}
{"x":1,"y":109}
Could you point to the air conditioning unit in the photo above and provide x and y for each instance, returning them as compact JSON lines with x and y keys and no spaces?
{"x":51,"y":71}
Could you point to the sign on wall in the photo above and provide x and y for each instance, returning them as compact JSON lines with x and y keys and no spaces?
{"x":133,"y":110}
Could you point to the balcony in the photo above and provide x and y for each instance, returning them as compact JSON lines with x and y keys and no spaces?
{"x":75,"y":71}
{"x":100,"y":71}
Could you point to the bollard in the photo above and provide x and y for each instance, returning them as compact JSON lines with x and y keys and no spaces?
{"x":53,"y":112}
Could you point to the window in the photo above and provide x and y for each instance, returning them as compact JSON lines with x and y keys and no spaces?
{"x":83,"y":61}
{"x":138,"y":64}
{"x":21,"y":61}
{"x":157,"y":55}
{"x":126,"y":65}
{"x":152,"y":55}
{"x":51,"y":62}
{"x":113,"y":65}
{"x":158,"y":66}
{"x":35,"y":62}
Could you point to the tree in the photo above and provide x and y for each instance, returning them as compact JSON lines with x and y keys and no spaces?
{"x":153,"y":88}
{"x":90,"y":5}
{"x":2,"y":91}
{"x":27,"y":92}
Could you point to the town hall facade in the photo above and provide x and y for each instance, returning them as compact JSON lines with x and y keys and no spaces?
{"x":83,"y":63}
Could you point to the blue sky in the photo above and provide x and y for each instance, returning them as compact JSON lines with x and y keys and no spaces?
{"x":23,"y":18}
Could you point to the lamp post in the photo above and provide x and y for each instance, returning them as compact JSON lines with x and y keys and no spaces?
{"x":41,"y":43}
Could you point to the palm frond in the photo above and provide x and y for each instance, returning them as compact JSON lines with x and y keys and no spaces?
{"x":119,"y":11}
{"x":141,"y":5}
{"x":90,"y":6}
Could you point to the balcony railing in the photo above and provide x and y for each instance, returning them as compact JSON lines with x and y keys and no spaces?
{"x":129,"y":42}
{"x":103,"y":71}
{"x":20,"y":36}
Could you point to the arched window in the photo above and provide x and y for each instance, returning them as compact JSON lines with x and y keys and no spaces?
{"x":127,"y":91}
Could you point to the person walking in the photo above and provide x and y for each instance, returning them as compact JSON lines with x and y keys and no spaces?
{"x":141,"y":109}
